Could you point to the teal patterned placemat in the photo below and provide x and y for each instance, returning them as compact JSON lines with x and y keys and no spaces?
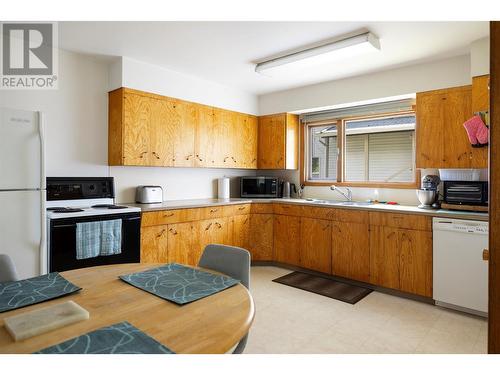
{"x":16,"y":294}
{"x":121,"y":338}
{"x":178,"y":283}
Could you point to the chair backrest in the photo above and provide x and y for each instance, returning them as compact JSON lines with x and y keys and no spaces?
{"x":229,"y":260}
{"x":7,"y":269}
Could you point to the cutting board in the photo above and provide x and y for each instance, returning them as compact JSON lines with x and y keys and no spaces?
{"x":36,"y":322}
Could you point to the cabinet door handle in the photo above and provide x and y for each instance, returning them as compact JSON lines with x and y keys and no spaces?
{"x":187,"y":157}
{"x":232,"y":157}
{"x":246,"y":220}
{"x":254,"y":160}
{"x":241,"y":208}
{"x":156,"y":155}
{"x":425,"y":156}
{"x":227,"y":157}
{"x":326,"y":227}
{"x":218,"y":225}
{"x":161,"y":233}
{"x":173,"y":231}
{"x":486,"y":254}
{"x":142,"y":154}
{"x":208,"y":226}
{"x":169,"y":214}
{"x":267,"y":221}
{"x":214,"y":210}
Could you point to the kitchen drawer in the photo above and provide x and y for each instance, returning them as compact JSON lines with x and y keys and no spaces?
{"x":170,"y":216}
{"x":287,"y":209}
{"x":352,"y":216}
{"x":315,"y":212}
{"x":237,"y":209}
{"x":405,"y":221}
{"x":212,"y":212}
{"x":261,"y":208}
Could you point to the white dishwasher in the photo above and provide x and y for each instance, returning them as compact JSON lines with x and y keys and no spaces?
{"x":460,"y":275}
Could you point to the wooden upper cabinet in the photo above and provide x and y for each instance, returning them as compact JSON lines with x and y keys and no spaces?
{"x":186,"y":121}
{"x":442,"y":141}
{"x":480,"y":93}
{"x":278,"y":141}
{"x":136,"y":132}
{"x":152,"y":130}
{"x":206,"y":132}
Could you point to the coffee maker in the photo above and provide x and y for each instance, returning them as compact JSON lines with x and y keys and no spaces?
{"x":428,"y":195}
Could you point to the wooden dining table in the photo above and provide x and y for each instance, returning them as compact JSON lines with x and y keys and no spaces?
{"x":213,"y":324}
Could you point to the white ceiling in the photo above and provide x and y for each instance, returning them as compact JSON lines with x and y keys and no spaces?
{"x":226,"y":52}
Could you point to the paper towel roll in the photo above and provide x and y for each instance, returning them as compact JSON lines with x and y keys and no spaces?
{"x":223,"y":188}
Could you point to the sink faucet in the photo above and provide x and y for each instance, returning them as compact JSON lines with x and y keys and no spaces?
{"x":347,"y":194}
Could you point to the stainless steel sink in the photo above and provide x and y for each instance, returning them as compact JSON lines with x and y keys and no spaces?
{"x":340,"y":203}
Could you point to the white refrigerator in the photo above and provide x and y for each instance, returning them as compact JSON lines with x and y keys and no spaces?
{"x":22,"y":191}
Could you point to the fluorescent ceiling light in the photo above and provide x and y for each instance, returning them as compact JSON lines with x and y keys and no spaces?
{"x":339,"y":49}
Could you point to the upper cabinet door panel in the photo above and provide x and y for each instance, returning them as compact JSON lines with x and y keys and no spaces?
{"x":272,"y":137}
{"x":430,"y":130}
{"x":164,"y":122}
{"x":186,"y":119}
{"x":457,"y":110}
{"x":206,"y":131}
{"x":137,"y":118}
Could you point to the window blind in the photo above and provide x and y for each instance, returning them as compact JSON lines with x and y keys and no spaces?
{"x":361,"y":110}
{"x":380,"y":157}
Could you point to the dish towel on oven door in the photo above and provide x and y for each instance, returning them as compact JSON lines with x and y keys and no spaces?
{"x":98,"y":238}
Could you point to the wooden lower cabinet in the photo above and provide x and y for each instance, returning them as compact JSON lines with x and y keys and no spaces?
{"x":213,"y":231}
{"x":154,"y":248}
{"x":384,"y":256}
{"x":415,"y":262}
{"x":316,"y":244}
{"x":261,"y":236}
{"x":351,"y":251}
{"x":183,"y":243}
{"x":394,"y":251}
{"x":241,"y":231}
{"x":287,"y":241}
{"x":401,"y":259}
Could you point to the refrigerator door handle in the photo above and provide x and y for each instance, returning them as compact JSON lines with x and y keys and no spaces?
{"x":41,"y":133}
{"x":44,"y":259}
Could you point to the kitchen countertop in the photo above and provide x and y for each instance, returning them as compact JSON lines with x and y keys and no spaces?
{"x":195,"y":203}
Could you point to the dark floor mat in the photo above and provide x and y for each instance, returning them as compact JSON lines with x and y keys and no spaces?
{"x":325,"y":287}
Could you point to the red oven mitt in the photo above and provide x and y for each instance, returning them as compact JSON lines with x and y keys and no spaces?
{"x":476,"y":130}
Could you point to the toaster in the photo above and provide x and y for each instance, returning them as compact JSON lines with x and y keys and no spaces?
{"x":149,"y":194}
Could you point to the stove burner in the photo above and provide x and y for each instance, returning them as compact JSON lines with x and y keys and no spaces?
{"x":64,"y":210}
{"x":109,"y":206}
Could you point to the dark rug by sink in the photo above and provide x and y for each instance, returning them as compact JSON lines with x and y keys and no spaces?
{"x":325,"y":287}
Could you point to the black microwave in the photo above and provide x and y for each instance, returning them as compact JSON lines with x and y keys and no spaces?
{"x":259,"y":187}
{"x":474,"y":193}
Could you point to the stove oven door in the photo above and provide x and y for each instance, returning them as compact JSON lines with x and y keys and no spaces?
{"x":62,"y":242}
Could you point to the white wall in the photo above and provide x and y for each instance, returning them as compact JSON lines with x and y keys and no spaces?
{"x":152,"y":78}
{"x":76,"y":116}
{"x":177,"y":183}
{"x":400,"y":81}
{"x":480,"y":57}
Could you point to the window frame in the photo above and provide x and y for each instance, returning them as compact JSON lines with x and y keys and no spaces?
{"x":340,"y":181}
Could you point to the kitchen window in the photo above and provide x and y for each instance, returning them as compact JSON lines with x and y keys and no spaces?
{"x":377,"y":150}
